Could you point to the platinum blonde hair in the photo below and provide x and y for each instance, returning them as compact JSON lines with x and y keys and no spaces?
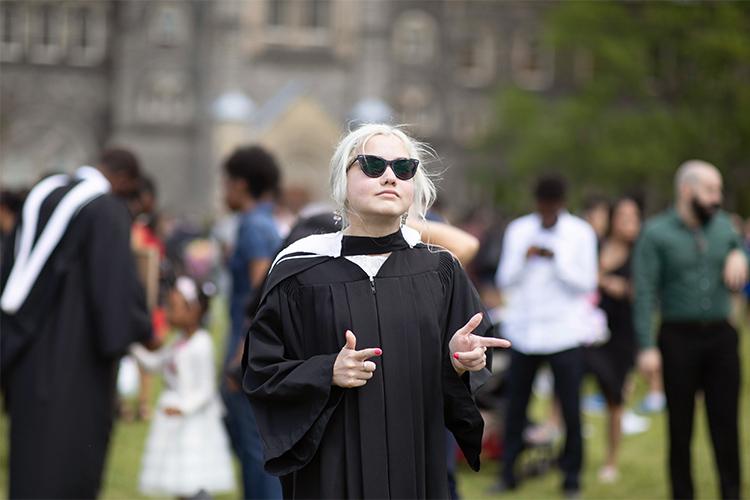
{"x":354,"y":143}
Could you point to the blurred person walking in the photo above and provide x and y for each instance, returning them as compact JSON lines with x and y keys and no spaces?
{"x":547,"y":270}
{"x":611,"y":362}
{"x":687,"y":263}
{"x":252,"y":182}
{"x":367,"y":420}
{"x":187,"y":450}
{"x":71,"y":306}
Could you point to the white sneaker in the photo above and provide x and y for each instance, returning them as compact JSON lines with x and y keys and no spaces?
{"x":634,"y":424}
{"x":654,"y":402}
{"x":608,"y":474}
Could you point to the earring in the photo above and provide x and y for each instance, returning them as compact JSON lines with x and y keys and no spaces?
{"x":404,"y":216}
{"x":337,"y":217}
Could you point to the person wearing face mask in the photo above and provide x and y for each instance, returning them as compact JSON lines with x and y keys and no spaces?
{"x":689,"y":260}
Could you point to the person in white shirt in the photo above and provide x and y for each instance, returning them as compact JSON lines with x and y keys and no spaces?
{"x":547,"y":272}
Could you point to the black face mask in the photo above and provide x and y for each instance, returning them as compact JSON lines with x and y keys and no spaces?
{"x":703,"y":213}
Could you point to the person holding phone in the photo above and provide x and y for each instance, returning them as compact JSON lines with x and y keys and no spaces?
{"x":547,"y":271}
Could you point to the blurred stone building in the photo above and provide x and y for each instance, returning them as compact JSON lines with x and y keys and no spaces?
{"x":182,"y":82}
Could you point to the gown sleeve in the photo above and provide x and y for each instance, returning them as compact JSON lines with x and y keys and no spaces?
{"x":291,"y":394}
{"x":118,"y":301}
{"x":461,"y":414}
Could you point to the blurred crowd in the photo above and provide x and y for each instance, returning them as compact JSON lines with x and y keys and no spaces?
{"x":575,"y":291}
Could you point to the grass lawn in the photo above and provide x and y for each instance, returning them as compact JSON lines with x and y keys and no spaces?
{"x":642,"y":465}
{"x":643,"y":457}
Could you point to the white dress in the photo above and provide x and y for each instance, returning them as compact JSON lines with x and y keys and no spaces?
{"x":189,"y":452}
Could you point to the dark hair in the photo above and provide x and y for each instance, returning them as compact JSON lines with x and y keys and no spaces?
{"x":121,"y":160}
{"x":616,"y":204}
{"x":146,"y":185}
{"x":257,"y":167}
{"x":550,"y":188}
{"x":594,"y":201}
{"x":12,"y":200}
{"x":205,"y":292}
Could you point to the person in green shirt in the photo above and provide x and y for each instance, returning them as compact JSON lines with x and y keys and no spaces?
{"x":687,"y":263}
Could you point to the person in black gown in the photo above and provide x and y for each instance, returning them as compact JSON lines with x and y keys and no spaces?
{"x":366,"y":420}
{"x":71,"y":306}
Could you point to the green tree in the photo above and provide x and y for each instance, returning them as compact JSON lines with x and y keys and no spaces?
{"x":670,"y":82}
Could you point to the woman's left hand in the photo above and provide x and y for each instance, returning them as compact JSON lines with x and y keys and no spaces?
{"x":468,"y":351}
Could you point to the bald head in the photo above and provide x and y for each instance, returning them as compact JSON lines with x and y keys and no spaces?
{"x":693,"y":172}
{"x":699,"y":185}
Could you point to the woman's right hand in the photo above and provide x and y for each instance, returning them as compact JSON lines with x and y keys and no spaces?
{"x":351,"y":368}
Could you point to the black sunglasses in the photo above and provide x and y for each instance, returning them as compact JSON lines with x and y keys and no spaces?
{"x":374,"y":166}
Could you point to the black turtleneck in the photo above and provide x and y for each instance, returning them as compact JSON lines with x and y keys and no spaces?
{"x":365,"y":245}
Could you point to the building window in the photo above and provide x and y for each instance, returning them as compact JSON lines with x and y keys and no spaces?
{"x":299,"y":13}
{"x":12,"y":24}
{"x":277,"y":12}
{"x":169,"y":25}
{"x":532,"y":63}
{"x":415,"y":37}
{"x":298,"y":22}
{"x":47,"y":33}
{"x":87,"y":38}
{"x":317,"y":14}
{"x":475,"y":59}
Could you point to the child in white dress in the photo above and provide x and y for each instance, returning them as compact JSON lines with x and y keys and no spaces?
{"x":187,"y":451}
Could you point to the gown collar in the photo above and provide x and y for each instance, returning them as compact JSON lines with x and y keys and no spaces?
{"x":331,"y":245}
{"x":366,"y":245}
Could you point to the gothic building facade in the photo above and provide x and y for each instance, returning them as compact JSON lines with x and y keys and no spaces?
{"x":182,"y":82}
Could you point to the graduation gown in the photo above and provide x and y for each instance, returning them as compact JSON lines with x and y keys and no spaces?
{"x":60,"y":350}
{"x":385,"y":439}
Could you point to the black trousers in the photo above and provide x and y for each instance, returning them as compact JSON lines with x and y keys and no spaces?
{"x":703,"y":357}
{"x":567,"y":368}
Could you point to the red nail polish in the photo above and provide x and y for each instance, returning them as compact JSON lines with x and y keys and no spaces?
{"x":378,"y":351}
{"x":455,"y":355}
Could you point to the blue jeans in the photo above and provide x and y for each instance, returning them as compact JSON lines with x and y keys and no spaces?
{"x":243,"y":431}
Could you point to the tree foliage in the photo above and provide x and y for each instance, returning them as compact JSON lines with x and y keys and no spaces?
{"x":670,"y":81}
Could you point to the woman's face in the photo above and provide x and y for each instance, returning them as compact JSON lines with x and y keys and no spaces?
{"x":384,"y":197}
{"x":626,"y":221}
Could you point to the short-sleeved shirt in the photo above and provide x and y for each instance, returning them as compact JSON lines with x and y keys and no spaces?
{"x":257,"y":238}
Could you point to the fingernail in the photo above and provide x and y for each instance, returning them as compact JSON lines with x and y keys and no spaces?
{"x":378,"y":351}
{"x":455,"y":355}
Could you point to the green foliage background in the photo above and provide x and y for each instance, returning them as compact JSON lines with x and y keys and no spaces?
{"x":670,"y":81}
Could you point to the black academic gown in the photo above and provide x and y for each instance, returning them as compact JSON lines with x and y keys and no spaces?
{"x":385,"y":439}
{"x":60,"y":352}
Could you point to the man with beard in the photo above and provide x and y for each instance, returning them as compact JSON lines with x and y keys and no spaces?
{"x":688,"y":261}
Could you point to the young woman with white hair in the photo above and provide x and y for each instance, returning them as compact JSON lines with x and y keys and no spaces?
{"x":366,"y":420}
